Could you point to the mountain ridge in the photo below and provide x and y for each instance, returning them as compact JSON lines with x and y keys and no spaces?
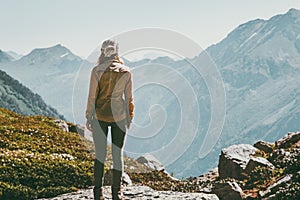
{"x":16,"y":97}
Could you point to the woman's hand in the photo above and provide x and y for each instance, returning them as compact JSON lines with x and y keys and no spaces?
{"x":128,"y":125}
{"x":88,"y":126}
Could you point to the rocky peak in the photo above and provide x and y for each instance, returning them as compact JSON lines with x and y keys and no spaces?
{"x":49,"y":55}
{"x":294,"y":13}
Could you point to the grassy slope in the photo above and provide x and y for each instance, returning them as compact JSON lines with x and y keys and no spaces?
{"x":37,"y":159}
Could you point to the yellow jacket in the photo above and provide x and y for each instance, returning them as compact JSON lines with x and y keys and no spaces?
{"x":110,"y":93}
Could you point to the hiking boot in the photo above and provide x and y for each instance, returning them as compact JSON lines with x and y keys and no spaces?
{"x":116,"y":193}
{"x":98,"y":193}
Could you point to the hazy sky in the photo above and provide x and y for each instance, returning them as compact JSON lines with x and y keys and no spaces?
{"x":81,"y":25}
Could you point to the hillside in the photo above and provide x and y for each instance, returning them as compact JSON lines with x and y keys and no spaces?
{"x":38,"y":159}
{"x":18,"y":98}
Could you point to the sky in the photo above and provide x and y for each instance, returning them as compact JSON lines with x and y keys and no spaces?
{"x":82,"y":25}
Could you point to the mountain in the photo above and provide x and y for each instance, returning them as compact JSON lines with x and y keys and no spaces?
{"x":50,"y":72}
{"x":18,"y":98}
{"x":5,"y":57}
{"x":259,"y":64}
{"x":15,"y":55}
{"x":260,"y":68}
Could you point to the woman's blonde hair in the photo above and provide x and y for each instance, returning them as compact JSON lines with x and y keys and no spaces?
{"x":114,"y":57}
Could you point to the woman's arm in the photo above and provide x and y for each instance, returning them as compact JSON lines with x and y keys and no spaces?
{"x":93,"y":93}
{"x":129,"y":100}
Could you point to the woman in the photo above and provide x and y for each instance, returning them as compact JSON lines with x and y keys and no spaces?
{"x":110,"y":103}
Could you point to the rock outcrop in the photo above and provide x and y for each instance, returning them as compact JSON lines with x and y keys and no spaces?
{"x":256,"y":162}
{"x":233,"y":160}
{"x":77,"y":128}
{"x":266,"y":172}
{"x":228,"y":190}
{"x":138,"y":192}
{"x":108,"y":178}
{"x":62,"y":125}
{"x":151,"y":162}
{"x":288,"y":140}
{"x":264,"y":146}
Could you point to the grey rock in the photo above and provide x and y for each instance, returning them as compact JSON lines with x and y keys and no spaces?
{"x":270,"y":191}
{"x":277,"y":156}
{"x":151,"y":162}
{"x":228,"y":190}
{"x":108,"y":178}
{"x":233,"y":160}
{"x":78,"y":128}
{"x":258,"y":161}
{"x":288,"y":140}
{"x":264,"y":146}
{"x":62,"y":125}
{"x":126,"y":179}
{"x":138,"y":193}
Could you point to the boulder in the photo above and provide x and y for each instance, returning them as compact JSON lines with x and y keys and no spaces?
{"x":62,"y":125}
{"x":151,"y":162}
{"x":258,"y":161}
{"x":78,"y":128}
{"x":264,"y":146}
{"x":271,"y":190}
{"x":277,"y":157}
{"x":108,"y":178}
{"x":126,"y":179}
{"x":228,"y":190}
{"x":233,"y":160}
{"x":287,"y":159}
{"x":288,"y":140}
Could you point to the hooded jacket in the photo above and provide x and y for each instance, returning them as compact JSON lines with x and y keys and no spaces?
{"x":110,"y":93}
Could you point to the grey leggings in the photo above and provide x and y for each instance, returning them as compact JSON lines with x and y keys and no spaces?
{"x":118,"y":132}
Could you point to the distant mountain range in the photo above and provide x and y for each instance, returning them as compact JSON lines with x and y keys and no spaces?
{"x":259,"y":63}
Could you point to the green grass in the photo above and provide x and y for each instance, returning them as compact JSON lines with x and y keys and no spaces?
{"x":37,"y":159}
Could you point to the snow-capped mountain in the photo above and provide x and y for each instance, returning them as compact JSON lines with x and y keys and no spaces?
{"x":18,"y":98}
{"x":5,"y":57}
{"x":49,"y":72}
